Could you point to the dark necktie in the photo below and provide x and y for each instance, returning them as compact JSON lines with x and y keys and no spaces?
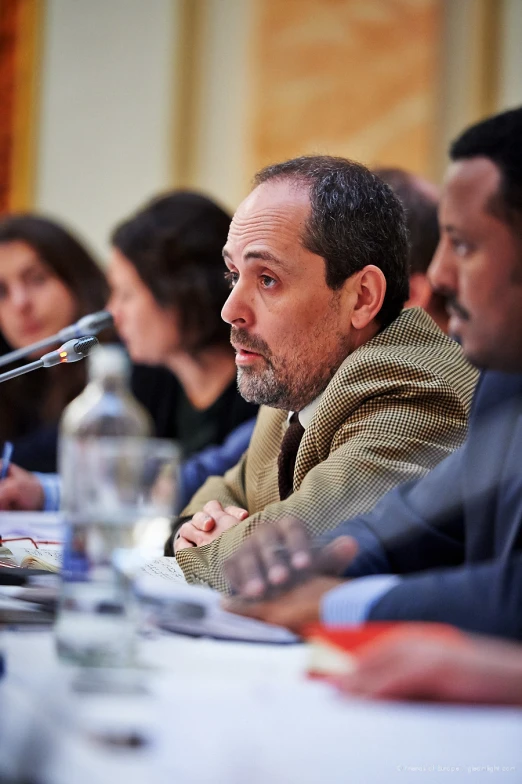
{"x":287,"y":456}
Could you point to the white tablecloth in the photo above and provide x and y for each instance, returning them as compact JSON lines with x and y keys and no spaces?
{"x":232,"y":713}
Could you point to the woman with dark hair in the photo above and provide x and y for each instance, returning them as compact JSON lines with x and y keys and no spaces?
{"x":47,"y":281}
{"x":168,"y":286}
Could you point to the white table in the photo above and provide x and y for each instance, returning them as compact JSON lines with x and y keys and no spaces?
{"x":228,"y":713}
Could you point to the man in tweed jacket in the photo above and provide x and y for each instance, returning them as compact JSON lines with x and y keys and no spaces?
{"x":317,"y":259}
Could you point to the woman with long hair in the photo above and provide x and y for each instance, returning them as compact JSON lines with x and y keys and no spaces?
{"x":167,"y":286}
{"x":47,"y":281}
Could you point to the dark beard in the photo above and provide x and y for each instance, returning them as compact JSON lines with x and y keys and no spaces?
{"x":277,"y":389}
{"x":290,"y":384}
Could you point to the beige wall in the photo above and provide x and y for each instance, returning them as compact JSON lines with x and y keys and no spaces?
{"x":141,"y":95}
{"x":356,"y":78}
{"x":510,"y":55}
{"x":105,"y":133}
{"x":383,"y":81}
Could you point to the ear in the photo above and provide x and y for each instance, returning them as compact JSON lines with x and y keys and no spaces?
{"x":420,"y":291}
{"x":370,"y":288}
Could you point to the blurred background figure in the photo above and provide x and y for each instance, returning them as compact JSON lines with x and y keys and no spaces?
{"x":47,"y":281}
{"x":420,"y":199}
{"x":167,"y":288}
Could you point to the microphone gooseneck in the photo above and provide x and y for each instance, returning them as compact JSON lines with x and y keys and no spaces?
{"x":87,"y":325}
{"x":71,"y":351}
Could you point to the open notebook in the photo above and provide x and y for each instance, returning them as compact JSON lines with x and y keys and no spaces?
{"x":176,"y":606}
{"x":50,"y":559}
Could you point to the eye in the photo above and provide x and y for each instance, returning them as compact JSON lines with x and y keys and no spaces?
{"x":461,"y":247}
{"x":231,"y":278}
{"x":37,"y":277}
{"x":267,"y":281}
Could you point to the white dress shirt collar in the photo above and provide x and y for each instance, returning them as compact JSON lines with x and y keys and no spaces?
{"x":306,"y":415}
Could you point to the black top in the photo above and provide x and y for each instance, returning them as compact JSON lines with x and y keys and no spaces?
{"x":175,"y":417}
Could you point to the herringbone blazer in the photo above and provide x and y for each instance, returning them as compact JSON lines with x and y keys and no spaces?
{"x":397,"y":406}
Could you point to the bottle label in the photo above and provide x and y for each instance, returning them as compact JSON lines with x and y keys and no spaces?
{"x":75,"y":566}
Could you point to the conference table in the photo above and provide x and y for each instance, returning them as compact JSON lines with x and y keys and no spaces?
{"x":199,"y":710}
{"x":202,"y":710}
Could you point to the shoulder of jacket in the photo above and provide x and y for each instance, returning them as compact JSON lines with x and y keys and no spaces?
{"x":411,"y":353}
{"x":413,"y":340}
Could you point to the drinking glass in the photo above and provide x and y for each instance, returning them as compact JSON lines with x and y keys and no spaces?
{"x":118,"y":496}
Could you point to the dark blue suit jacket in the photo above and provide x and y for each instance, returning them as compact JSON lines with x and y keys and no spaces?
{"x":456,"y":534}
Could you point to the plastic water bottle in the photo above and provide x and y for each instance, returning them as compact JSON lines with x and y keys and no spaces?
{"x":95,"y":622}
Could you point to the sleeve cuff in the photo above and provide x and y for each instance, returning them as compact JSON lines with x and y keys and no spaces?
{"x":51,"y":485}
{"x":371,"y":557}
{"x":351,"y":602}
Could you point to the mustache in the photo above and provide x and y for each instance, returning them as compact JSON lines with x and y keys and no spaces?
{"x":454,"y":306}
{"x":250,"y":342}
{"x":451,"y":303}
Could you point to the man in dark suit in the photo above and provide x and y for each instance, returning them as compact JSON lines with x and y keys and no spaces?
{"x":447,"y":547}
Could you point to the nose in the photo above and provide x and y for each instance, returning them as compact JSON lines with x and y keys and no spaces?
{"x":442,"y":270}
{"x":237,"y":311}
{"x":20,"y":298}
{"x":114,"y":310}
{"x":111,"y":305}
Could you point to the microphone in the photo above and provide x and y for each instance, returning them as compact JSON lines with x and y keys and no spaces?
{"x":72,"y":351}
{"x":87,"y":325}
